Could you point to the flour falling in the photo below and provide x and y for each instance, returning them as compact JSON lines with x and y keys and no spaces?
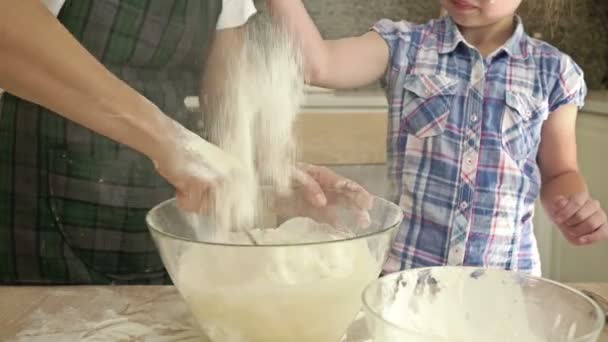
{"x":253,"y":118}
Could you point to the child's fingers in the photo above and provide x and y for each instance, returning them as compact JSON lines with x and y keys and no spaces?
{"x":588,"y":209}
{"x":570,"y":237}
{"x":600,"y":234}
{"x":311,"y":189}
{"x":559,"y":203}
{"x":355,"y":192}
{"x":565,"y":211}
{"x":364,"y":219}
{"x":330,"y":181}
{"x":322,"y":175}
{"x":325,"y":214}
{"x":591,"y":224}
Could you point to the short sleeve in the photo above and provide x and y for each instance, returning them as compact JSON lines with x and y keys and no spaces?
{"x":235,"y":13}
{"x":397,"y":35}
{"x":570,"y":87}
{"x":54,"y":5}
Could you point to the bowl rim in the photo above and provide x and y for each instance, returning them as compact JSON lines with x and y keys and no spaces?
{"x":157,"y":230}
{"x":597,"y":328}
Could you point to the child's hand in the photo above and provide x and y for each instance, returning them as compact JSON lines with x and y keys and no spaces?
{"x":322,"y":186}
{"x":319,"y":191}
{"x":580,"y":218}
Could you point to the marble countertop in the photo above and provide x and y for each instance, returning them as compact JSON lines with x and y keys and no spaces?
{"x":119,"y":313}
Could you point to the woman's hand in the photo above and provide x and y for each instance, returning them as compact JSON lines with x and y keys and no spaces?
{"x":194,"y":167}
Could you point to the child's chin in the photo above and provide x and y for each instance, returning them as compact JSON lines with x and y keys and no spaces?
{"x":470,"y":21}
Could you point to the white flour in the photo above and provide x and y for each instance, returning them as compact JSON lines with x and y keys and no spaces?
{"x":119,"y":318}
{"x":277,"y":294}
{"x":136,"y":320}
{"x":253,"y":120}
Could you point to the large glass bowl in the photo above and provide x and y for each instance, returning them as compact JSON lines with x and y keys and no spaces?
{"x":299,"y":291}
{"x":462,"y":304}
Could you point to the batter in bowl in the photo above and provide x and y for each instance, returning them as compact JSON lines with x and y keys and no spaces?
{"x":281,"y":293}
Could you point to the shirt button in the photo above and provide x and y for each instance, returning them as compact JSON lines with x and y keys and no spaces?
{"x":469,"y":161}
{"x":464,"y":205}
{"x":474,"y":118}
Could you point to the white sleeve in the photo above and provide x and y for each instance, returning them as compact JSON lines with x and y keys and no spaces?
{"x":54,"y":5}
{"x":235,"y":13}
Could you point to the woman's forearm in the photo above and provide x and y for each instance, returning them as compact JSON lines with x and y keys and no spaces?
{"x":43,"y":63}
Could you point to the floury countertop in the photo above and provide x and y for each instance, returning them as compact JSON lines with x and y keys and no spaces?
{"x":120,"y":313}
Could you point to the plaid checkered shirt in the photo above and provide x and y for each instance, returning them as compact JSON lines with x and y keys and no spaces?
{"x":463,"y":138}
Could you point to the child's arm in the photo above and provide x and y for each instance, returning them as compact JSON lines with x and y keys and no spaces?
{"x":564,"y":193}
{"x":344,"y":63}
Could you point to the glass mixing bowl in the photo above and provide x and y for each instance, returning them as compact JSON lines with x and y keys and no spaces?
{"x":301,"y":291}
{"x":458,"y":304}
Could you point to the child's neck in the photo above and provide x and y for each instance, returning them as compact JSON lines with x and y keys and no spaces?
{"x":488,"y":38}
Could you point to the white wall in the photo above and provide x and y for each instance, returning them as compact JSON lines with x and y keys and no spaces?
{"x":590,"y":263}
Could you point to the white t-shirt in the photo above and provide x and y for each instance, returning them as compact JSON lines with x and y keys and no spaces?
{"x":234,"y":12}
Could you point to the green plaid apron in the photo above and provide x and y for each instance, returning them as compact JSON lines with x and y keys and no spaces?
{"x":72,"y":203}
